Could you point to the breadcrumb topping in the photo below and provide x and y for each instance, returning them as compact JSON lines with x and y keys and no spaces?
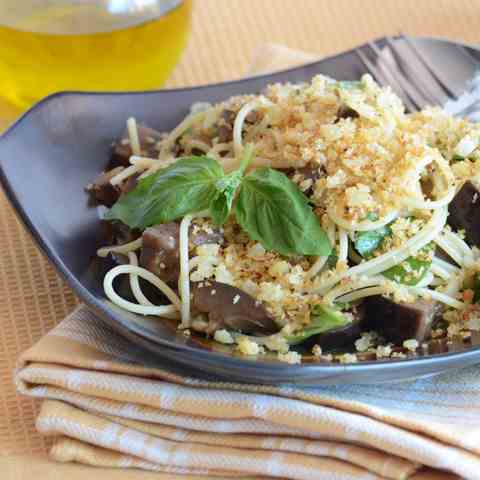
{"x":358,"y":157}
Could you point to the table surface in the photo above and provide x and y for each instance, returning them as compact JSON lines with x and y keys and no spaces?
{"x":225,"y":36}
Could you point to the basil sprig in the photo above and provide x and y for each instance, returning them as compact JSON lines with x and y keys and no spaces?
{"x":268,"y":205}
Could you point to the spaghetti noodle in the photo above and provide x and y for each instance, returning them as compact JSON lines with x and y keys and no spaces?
{"x":380,"y":183}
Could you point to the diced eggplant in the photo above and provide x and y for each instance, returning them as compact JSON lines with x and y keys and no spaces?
{"x":227,"y":120}
{"x":160,"y":249}
{"x":102,"y":191}
{"x":231,"y":308}
{"x":224,"y":134}
{"x":123,"y":234}
{"x":129,"y":184}
{"x":117,"y":233}
{"x":400,"y":321}
{"x":309,"y":172}
{"x":225,"y":126}
{"x":160,"y":253}
{"x":464,"y":212}
{"x":253,"y":117}
{"x":148,"y":138}
{"x":202,"y":237}
{"x":346,"y":112}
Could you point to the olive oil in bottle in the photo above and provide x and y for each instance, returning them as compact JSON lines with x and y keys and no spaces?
{"x":102,"y":45}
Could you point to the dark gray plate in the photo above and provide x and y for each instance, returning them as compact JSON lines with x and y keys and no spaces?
{"x":56,"y":148}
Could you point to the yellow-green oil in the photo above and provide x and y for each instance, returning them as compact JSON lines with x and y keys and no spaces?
{"x":138,"y":56}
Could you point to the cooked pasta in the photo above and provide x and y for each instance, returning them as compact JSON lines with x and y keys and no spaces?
{"x":275,"y":218}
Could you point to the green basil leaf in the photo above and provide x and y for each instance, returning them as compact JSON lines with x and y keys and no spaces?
{"x":372,"y":216}
{"x":412,"y":269}
{"x":323,"y":319}
{"x":227,"y":187}
{"x":408,"y":272}
{"x":343,"y":305}
{"x":219,"y":209}
{"x":457,"y":158}
{"x":187,"y":186}
{"x":273,"y":211}
{"x":226,"y":190}
{"x":367,"y":242}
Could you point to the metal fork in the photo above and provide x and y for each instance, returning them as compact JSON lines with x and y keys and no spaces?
{"x":413,"y":76}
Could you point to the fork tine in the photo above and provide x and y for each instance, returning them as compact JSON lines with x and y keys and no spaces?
{"x":396,"y":78}
{"x":383,"y":80}
{"x":429,"y":65}
{"x":467,"y":54}
{"x":426,"y":90}
{"x":371,"y":67}
{"x":376,"y":72}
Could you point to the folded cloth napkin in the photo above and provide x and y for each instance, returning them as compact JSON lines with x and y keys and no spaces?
{"x":108,"y":408}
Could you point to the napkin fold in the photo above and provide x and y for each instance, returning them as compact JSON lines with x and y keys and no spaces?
{"x":110,"y":410}
{"x":108,"y":407}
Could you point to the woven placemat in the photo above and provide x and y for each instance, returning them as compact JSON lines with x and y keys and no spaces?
{"x":225,"y":37}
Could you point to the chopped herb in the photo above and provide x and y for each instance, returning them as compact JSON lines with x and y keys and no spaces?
{"x":412,"y":269}
{"x":367,"y":242}
{"x":323,"y":319}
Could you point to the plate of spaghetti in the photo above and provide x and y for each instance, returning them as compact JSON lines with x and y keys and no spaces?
{"x":300,"y":225}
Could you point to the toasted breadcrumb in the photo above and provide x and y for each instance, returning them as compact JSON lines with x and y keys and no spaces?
{"x":290,"y":357}
{"x":223,"y":336}
{"x":317,"y":350}
{"x":348,"y":358}
{"x":366,"y":341}
{"x":411,"y":344}
{"x":383,"y":351}
{"x":247,"y":346}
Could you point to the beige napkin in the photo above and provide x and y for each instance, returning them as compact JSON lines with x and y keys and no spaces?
{"x":108,"y":409}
